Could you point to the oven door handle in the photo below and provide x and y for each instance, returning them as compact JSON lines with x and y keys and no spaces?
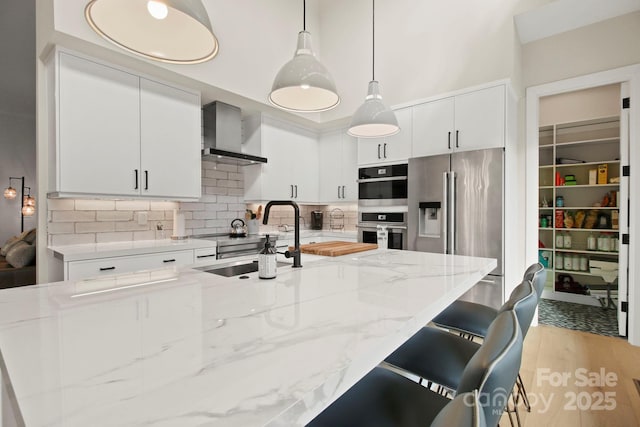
{"x":389,"y":227}
{"x":391,"y":178}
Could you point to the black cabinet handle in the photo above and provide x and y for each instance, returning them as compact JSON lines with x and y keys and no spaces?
{"x":338,"y":191}
{"x":205,"y":256}
{"x":296,"y":190}
{"x":292,"y":191}
{"x":107,"y":268}
{"x":384,"y":151}
{"x":146,"y":180}
{"x":378,"y":150}
{"x":457,"y":138}
{"x":449,"y":140}
{"x":169,"y":260}
{"x":343,"y":191}
{"x":136,"y":173}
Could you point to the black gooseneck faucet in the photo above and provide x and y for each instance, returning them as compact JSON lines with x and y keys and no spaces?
{"x":296,"y":250}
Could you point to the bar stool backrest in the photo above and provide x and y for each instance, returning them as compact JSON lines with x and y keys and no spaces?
{"x":537,"y":274}
{"x":523,"y":300}
{"x":494,"y":367}
{"x":463,"y":411}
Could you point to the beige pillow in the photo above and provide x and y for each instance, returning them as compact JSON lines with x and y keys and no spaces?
{"x":9,"y":243}
{"x":21,"y":254}
{"x":29,"y":236}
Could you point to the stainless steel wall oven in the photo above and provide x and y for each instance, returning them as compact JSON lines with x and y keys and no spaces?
{"x":383,"y":185}
{"x":396,"y":223}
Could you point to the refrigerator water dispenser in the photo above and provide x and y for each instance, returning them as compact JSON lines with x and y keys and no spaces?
{"x":430,"y":219}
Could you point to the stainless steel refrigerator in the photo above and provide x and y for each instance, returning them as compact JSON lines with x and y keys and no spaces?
{"x":456,"y":206}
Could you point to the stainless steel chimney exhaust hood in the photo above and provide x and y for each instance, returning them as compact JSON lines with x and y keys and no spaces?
{"x":223,"y":135}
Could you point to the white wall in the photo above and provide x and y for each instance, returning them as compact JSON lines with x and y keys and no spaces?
{"x":602,"y":46}
{"x":593,"y":103}
{"x":17,"y":109}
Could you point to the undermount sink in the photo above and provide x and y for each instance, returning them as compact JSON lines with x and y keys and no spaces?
{"x":239,"y":268}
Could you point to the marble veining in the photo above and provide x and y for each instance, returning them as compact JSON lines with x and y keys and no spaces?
{"x":184,"y":348}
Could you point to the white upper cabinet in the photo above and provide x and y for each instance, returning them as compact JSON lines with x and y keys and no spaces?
{"x":170,"y":141}
{"x":118,"y":134}
{"x":338,"y":167}
{"x":470,"y":121}
{"x":98,"y":116}
{"x":395,"y":148}
{"x":433,"y":127}
{"x":291,"y":171}
{"x":480,"y":119}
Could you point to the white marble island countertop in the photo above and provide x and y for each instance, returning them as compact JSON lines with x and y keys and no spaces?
{"x":185,"y":348}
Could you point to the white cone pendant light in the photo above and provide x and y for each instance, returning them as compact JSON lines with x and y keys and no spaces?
{"x":174,"y":31}
{"x":304,"y":84}
{"x":373,"y":119}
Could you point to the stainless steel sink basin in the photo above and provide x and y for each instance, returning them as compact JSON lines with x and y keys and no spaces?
{"x":238,"y":268}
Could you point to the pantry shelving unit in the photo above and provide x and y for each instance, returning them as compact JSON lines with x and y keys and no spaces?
{"x":577,"y":148}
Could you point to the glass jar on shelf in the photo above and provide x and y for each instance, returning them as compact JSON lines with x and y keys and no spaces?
{"x":559,"y":240}
{"x":584,"y":263}
{"x":568,"y":262}
{"x":559,"y":262}
{"x":566,"y":240}
{"x":575,"y":262}
{"x":604,"y":243}
{"x":591,"y":242}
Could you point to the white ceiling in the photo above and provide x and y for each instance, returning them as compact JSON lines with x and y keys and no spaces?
{"x":560,"y":16}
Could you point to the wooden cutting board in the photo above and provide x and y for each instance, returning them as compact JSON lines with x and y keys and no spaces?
{"x":335,"y":248}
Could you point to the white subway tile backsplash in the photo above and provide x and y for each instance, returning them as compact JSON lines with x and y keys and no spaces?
{"x":236,"y":176}
{"x":73,"y":216}
{"x":61,"y":204}
{"x":72,"y":239}
{"x":114,"y":216}
{"x":236,"y":192}
{"x":114,"y":237}
{"x":130,"y":226}
{"x":230,"y":199}
{"x":144,"y":235}
{"x":192,"y":207}
{"x":61,"y":228}
{"x":216,"y":191}
{"x":95,"y":205}
{"x":132,"y":205}
{"x":216,"y":174}
{"x":95,"y":227}
{"x":227,"y":168}
{"x":205,"y":215}
{"x":163,"y":206}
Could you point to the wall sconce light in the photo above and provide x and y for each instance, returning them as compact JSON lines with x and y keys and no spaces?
{"x":28,"y":207}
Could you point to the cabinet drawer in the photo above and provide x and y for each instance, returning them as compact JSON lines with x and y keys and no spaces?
{"x":117,"y":265}
{"x":204,"y":256}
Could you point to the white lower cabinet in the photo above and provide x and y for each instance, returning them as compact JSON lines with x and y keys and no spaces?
{"x":76,"y":270}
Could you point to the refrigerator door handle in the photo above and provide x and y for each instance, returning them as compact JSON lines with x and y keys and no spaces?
{"x":452,"y":213}
{"x":445,"y":217}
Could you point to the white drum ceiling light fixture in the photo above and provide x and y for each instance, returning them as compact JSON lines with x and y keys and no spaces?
{"x":373,"y":119}
{"x":174,"y":31}
{"x":303,"y":84}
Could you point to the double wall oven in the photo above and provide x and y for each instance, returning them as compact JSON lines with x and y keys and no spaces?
{"x":382,"y":200}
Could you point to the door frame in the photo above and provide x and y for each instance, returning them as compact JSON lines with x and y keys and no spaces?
{"x":631,"y":75}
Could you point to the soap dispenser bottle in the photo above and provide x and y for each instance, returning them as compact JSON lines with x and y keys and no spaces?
{"x":267,"y":261}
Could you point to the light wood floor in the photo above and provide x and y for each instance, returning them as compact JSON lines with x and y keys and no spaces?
{"x":550,"y":352}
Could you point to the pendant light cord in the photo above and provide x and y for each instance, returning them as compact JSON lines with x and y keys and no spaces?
{"x":373,"y":38}
{"x":304,"y":15}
